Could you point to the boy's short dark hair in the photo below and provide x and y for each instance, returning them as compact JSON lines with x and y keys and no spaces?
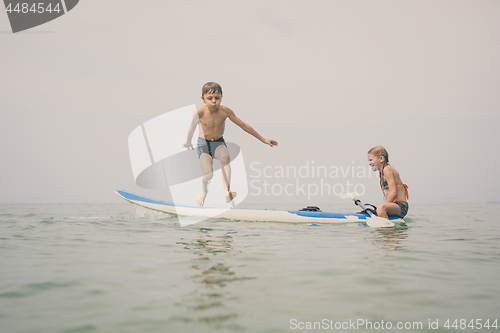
{"x":211,"y":88}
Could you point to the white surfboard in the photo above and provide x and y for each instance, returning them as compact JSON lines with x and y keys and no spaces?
{"x":237,"y":214}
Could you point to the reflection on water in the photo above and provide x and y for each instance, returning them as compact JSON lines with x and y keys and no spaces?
{"x":391,"y":238}
{"x":208,"y":303}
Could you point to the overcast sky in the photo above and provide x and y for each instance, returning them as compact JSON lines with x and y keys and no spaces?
{"x":327,"y":79}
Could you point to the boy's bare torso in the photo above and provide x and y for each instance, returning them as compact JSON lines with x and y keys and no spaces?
{"x":212,"y":123}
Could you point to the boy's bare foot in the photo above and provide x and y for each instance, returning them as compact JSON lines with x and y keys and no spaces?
{"x":200,"y":200}
{"x":230,"y":196}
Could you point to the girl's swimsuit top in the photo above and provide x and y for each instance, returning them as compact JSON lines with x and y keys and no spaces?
{"x":384,"y":185}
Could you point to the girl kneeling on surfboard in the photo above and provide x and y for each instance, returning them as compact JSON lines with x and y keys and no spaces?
{"x":395,"y":192}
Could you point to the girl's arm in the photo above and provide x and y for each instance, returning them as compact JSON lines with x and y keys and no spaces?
{"x":249,"y":129}
{"x":391,"y":182}
{"x":192,"y":128}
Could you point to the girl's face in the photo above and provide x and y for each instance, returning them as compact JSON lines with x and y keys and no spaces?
{"x":376,"y":162}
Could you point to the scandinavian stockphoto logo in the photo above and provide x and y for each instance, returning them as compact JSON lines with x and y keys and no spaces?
{"x":160,"y":162}
{"x":307,"y":180}
{"x":26,"y":14}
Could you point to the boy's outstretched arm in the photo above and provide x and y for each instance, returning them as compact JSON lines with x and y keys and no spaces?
{"x":249,"y":129}
{"x":192,"y":127}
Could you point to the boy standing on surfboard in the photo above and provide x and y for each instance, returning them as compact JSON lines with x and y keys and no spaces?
{"x":212,"y":119}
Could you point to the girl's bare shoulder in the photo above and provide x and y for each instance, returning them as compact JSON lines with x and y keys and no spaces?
{"x":389,"y":170}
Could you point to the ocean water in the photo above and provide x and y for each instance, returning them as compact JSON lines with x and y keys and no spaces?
{"x":122,"y":268}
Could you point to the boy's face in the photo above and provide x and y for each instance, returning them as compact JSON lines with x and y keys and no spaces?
{"x":212,"y":100}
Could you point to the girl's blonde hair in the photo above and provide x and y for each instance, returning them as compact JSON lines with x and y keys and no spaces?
{"x":380,"y":151}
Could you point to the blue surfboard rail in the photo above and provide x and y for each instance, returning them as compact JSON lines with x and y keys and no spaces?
{"x":327,"y":215}
{"x":132,"y":196}
{"x":137,"y":197}
{"x":331,"y":215}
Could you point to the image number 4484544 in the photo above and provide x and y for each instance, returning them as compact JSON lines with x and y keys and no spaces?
{"x":26,"y":14}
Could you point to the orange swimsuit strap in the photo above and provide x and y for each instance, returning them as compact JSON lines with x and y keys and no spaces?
{"x":406,"y":189}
